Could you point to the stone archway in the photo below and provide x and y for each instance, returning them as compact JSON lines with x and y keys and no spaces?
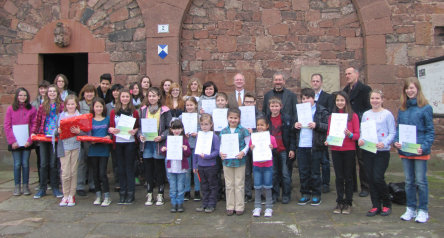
{"x":374,"y":18}
{"x":29,"y":69}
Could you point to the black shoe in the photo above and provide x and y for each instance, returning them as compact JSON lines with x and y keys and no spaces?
{"x":129,"y":198}
{"x":121,"y":198}
{"x":248,"y":198}
{"x":81,"y":193}
{"x":197,"y":196}
{"x":173,"y":209}
{"x":285,"y":200}
{"x":325,"y":189}
{"x":363,"y":193}
{"x":187,"y":196}
{"x":209,"y":209}
{"x":92,"y":190}
{"x":180,"y":208}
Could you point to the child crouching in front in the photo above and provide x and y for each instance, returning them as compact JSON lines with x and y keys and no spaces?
{"x":177,"y":169}
{"x":263,"y":174}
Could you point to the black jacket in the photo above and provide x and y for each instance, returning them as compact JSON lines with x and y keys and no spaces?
{"x":359,"y":98}
{"x":108,"y":97}
{"x":320,"y":131}
{"x":287,"y":131}
{"x":289,"y":101}
{"x":326,"y":100}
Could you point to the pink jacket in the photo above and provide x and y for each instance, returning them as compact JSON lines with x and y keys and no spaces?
{"x":20,"y":117}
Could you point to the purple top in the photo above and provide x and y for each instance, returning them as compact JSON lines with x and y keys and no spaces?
{"x":208,"y":160}
{"x":20,"y":117}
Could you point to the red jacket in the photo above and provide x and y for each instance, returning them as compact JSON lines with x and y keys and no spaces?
{"x":39,"y":123}
{"x":112,"y":123}
{"x":349,"y":144}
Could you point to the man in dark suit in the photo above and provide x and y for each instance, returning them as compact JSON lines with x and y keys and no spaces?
{"x":324,"y":99}
{"x":236,"y":98}
{"x":359,"y":95}
{"x":289,"y":99}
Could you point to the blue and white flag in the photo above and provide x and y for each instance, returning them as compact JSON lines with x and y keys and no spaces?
{"x":162,"y":51}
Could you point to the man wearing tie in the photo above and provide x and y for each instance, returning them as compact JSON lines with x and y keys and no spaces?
{"x":236,"y":98}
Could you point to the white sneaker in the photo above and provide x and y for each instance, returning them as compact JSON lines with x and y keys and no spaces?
{"x":268,"y":212}
{"x":422,"y":216}
{"x":409,"y":214}
{"x":97,"y":201}
{"x":106,"y":202}
{"x":64,"y":202}
{"x":71,"y":201}
{"x":149,"y":199}
{"x":159,"y":201}
{"x":257,"y":212}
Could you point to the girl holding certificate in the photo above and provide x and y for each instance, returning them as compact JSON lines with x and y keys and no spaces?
{"x":234,"y":166}
{"x":344,"y":156}
{"x":126,"y":149}
{"x":415,"y":111}
{"x":177,"y":169}
{"x":46,"y":123}
{"x":153,"y":160}
{"x":376,"y":163}
{"x":209,"y":92}
{"x":18,"y":120}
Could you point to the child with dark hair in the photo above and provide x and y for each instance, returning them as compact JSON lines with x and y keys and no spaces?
{"x":177,"y":169}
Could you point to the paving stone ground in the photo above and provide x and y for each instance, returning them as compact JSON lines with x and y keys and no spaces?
{"x":24,"y":216}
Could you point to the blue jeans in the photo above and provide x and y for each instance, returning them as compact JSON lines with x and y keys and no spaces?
{"x":48,"y":161}
{"x":310,"y":171}
{"x":188,"y":175}
{"x":325,"y":164}
{"x":177,"y":187}
{"x":263,"y":177}
{"x":21,"y":165}
{"x":415,"y":171}
{"x":281,"y":175}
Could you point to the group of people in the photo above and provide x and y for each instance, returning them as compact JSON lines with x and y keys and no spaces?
{"x":216,"y":174}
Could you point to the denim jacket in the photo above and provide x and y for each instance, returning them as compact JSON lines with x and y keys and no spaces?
{"x":422,"y":118}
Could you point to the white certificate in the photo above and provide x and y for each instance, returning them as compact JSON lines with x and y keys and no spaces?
{"x":204,"y":142}
{"x":220,"y":118}
{"x":304,"y":114}
{"x":149,"y":128}
{"x":407,"y":133}
{"x":368,"y":131}
{"x":189,"y":121}
{"x":261,"y":142}
{"x":248,"y":116}
{"x":338,"y":124}
{"x":21,"y":134}
{"x":208,"y":105}
{"x":174,"y":147}
{"x":125,"y":124}
{"x":230,"y":145}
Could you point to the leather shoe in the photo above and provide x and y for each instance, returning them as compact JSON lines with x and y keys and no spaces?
{"x":363,"y":193}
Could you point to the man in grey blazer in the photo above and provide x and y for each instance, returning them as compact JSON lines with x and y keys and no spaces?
{"x":236,"y":98}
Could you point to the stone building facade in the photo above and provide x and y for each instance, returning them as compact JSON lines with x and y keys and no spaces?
{"x":213,"y":39}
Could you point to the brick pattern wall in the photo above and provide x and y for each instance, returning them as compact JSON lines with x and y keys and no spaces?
{"x":119,"y":22}
{"x":412,"y":41}
{"x":262,"y":37}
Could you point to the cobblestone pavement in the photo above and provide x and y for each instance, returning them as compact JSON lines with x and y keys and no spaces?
{"x":24,"y":216}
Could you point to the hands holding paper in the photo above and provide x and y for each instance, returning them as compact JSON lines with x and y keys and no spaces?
{"x":379,"y":145}
{"x":311,"y":125}
{"x":156,"y":139}
{"x":399,"y":146}
{"x":113,"y":130}
{"x":238,"y":156}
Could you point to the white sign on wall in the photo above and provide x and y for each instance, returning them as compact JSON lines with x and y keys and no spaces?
{"x":431,"y":76}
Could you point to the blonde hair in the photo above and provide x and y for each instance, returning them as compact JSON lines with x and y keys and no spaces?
{"x":169,"y":102}
{"x":58,"y":101}
{"x":206,"y":117}
{"x":274,"y":100}
{"x":420,"y":99}
{"x":199,"y":87}
{"x":193,"y":100}
{"x":71,"y":97}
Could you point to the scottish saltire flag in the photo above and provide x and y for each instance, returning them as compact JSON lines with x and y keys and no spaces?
{"x":162,"y":51}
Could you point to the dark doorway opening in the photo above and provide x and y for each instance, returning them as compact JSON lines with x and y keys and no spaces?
{"x":74,"y":66}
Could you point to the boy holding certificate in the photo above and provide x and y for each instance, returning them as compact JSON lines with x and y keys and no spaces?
{"x":281,"y":128}
{"x":310,"y":140}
